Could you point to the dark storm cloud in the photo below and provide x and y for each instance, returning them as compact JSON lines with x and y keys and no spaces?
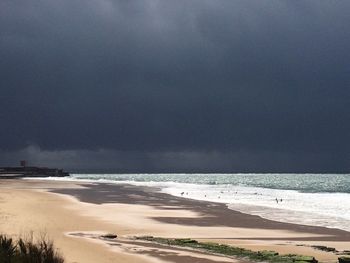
{"x":222,"y":85}
{"x":188,"y":161}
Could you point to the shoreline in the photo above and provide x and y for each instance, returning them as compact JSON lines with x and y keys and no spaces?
{"x":216,"y":214}
{"x":324,"y":209}
{"x":131,"y":210}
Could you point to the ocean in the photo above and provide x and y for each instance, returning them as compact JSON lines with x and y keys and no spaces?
{"x":310,"y":199}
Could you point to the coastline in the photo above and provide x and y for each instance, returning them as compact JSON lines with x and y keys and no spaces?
{"x":277,"y":197}
{"x":65,"y":208}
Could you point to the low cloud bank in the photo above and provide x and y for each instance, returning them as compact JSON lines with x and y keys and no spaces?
{"x":106,"y":160}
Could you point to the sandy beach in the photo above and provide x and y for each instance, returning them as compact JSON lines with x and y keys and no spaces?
{"x":74,"y":215}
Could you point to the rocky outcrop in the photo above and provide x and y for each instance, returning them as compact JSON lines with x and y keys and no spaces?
{"x":31,"y":171}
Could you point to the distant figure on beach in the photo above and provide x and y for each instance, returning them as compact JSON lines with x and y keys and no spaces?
{"x":281,"y":200}
{"x":276,"y":200}
{"x":205,"y":195}
{"x":182,"y":193}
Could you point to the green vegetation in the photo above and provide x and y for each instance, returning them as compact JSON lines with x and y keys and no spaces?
{"x":266,"y":256}
{"x":344,"y":259}
{"x":325,"y":248}
{"x":26,"y":251}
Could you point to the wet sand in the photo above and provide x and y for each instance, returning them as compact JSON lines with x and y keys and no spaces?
{"x":212,"y":214}
{"x":65,"y":209}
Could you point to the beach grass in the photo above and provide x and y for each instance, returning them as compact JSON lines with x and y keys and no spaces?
{"x":226,"y":250}
{"x":28,"y":251}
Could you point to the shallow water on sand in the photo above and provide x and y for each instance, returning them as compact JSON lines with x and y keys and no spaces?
{"x":312,"y":199}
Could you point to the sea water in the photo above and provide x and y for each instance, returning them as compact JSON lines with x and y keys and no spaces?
{"x":311,"y":199}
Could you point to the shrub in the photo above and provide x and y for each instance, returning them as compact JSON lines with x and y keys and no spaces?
{"x":28,"y":251}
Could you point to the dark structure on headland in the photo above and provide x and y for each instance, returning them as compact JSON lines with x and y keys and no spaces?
{"x":30,"y":171}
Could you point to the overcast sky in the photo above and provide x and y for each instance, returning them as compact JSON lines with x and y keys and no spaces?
{"x":185,"y":85}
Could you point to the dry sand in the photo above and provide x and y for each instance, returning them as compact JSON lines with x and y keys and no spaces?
{"x":74,"y":214}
